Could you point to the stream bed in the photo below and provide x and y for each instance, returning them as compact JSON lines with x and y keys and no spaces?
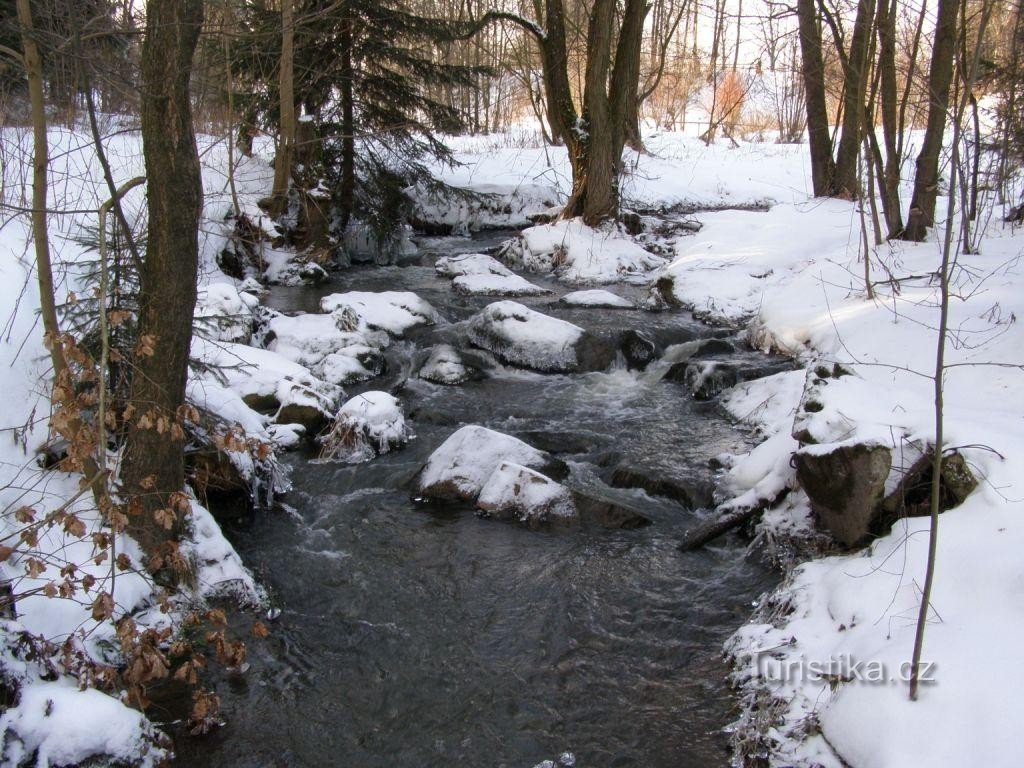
{"x":427,"y":638}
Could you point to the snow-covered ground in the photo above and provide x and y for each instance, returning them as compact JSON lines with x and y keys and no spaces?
{"x":792,"y":275}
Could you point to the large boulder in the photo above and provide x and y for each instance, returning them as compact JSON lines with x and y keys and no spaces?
{"x":515,"y":492}
{"x":638,"y":348}
{"x":470,"y":264}
{"x":366,"y":426}
{"x":846,"y":486}
{"x":520,"y":336}
{"x":462,"y":464}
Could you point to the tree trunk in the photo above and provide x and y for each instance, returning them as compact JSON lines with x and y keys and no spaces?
{"x":153,"y":462}
{"x":926,"y":181}
{"x":346,"y":196}
{"x":888,"y":91}
{"x":286,"y":91}
{"x":855,"y":77}
{"x":823,"y":167}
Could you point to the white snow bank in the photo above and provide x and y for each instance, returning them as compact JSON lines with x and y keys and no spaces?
{"x":393,"y":311}
{"x":462,"y":464}
{"x":491,"y":206}
{"x":576,"y":253}
{"x":223,"y":313}
{"x":219,"y":570}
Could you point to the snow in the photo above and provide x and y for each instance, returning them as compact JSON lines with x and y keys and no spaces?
{"x":396,"y":312}
{"x":596,"y":298}
{"x":576,"y":253}
{"x":368,"y":425}
{"x":496,"y":285}
{"x":444,"y":366}
{"x":308,"y":339}
{"x":223,"y":313}
{"x":470,"y":264}
{"x":491,"y":206}
{"x":518,"y":492}
{"x":462,"y":464}
{"x":522,"y":336}
{"x":55,"y":724}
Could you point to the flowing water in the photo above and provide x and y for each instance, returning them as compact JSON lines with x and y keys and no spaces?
{"x":414,"y":637}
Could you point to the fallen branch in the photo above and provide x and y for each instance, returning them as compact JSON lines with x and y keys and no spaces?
{"x":728,"y":519}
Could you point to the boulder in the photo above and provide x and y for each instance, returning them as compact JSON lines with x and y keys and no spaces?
{"x":596,"y":298}
{"x":520,"y":336}
{"x":312,"y":417}
{"x":603,"y":510}
{"x":460,"y":466}
{"x":638,"y":349}
{"x":515,"y":492}
{"x":845,"y":485}
{"x":705,"y":380}
{"x":496,"y":285}
{"x":691,"y":492}
{"x":366,"y":426}
{"x":444,"y":365}
{"x":470,"y":264}
{"x":396,"y":312}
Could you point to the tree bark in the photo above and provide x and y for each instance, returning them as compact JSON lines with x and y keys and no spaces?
{"x":855,"y":77}
{"x":891,"y":128}
{"x":154,"y":462}
{"x":346,"y":195}
{"x":823,"y":167}
{"x":926,"y":180}
{"x":286,"y":122}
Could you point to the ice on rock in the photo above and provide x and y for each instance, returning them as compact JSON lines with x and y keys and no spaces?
{"x":366,"y":426}
{"x":395,"y":312}
{"x":515,"y":492}
{"x":521,"y":336}
{"x":596,"y":298}
{"x":445,"y":366}
{"x":459,"y":468}
{"x":496,"y":285}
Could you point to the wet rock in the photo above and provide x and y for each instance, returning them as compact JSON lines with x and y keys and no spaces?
{"x":515,"y":492}
{"x":368,"y":425}
{"x":845,"y":485}
{"x":691,"y":492}
{"x":638,"y":349}
{"x":911,"y":496}
{"x":444,"y":365}
{"x":600,"y":509}
{"x":705,"y":380}
{"x":713,"y":347}
{"x":313,"y":418}
{"x":460,"y":466}
{"x":520,"y":336}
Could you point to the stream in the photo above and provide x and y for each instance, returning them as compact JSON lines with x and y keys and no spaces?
{"x":426,"y":638}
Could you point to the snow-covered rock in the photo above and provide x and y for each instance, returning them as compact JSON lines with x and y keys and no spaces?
{"x":496,"y":285}
{"x":470,"y":264}
{"x":463,"y":463}
{"x":515,"y":492}
{"x":395,"y":312}
{"x":56,"y":724}
{"x":490,"y":206}
{"x":444,"y":365}
{"x":223,"y":313}
{"x":577,"y":253}
{"x":597,"y":298}
{"x":705,"y":380}
{"x":351,"y":364}
{"x":269,"y":383}
{"x":308,"y":339}
{"x":521,"y":336}
{"x":368,"y":425}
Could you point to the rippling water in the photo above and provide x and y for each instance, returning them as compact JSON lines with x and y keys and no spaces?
{"x":424,"y":638}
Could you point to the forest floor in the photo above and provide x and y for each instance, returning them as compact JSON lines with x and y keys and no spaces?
{"x":767,"y":257}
